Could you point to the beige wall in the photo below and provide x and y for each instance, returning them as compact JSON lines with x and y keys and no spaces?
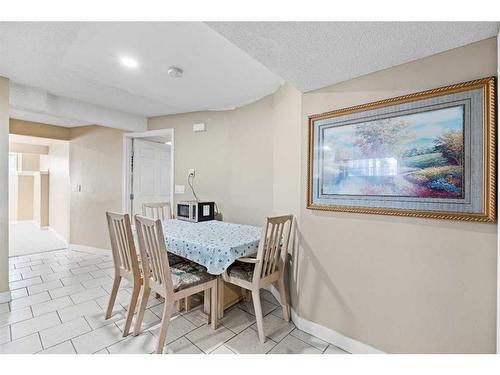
{"x":397,"y":284}
{"x":25,"y":196}
{"x":59,"y":188}
{"x":4,"y":185}
{"x":401,"y":285}
{"x":234,"y":159}
{"x":95,"y":161}
{"x":36,"y":129}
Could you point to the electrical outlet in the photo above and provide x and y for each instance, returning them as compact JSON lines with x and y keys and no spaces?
{"x":179,"y":189}
{"x":191,"y":172}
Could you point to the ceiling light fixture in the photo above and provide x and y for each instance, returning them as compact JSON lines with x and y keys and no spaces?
{"x":129,"y":62}
{"x":175,"y":72}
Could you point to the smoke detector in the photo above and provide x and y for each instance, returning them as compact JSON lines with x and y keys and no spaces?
{"x":175,"y":72}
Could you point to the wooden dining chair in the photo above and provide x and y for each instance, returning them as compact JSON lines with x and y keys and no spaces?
{"x":266,"y":268}
{"x":172,"y":282}
{"x":157,"y":210}
{"x":125,"y":261}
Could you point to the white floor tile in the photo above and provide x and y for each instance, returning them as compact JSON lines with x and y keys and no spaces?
{"x":63,"y":348}
{"x":4,"y":307}
{"x":149,"y":321}
{"x":26,"y":345}
{"x":177,"y":327}
{"x":76,"y":271}
{"x":97,"y":319}
{"x":52,"y":305}
{"x":27,"y":327}
{"x":311,"y":340}
{"x":196,"y":316}
{"x":54,"y":284}
{"x":4,"y":334}
{"x":247,"y":342}
{"x":332,"y":349}
{"x":55,"y":276}
{"x":64,"y":332}
{"x":96,"y":340}
{"x":29,"y":300}
{"x":69,"y":280}
{"x":18,"y":293}
{"x":248,"y":307}
{"x":66,"y":290}
{"x":23,"y":283}
{"x":223,"y":349}
{"x":275,"y":328}
{"x":72,"y":312}
{"x":123,"y":295}
{"x":100,"y":281}
{"x":89,"y":294}
{"x":181,"y":346}
{"x":237,"y":320}
{"x":145,"y":343}
{"x":292,"y":345}
{"x":208,"y":339}
{"x":15,"y":316}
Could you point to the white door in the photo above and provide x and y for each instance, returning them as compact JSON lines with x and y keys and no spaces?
{"x":151,"y":174}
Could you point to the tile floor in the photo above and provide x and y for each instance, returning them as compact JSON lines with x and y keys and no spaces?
{"x":59,"y":298}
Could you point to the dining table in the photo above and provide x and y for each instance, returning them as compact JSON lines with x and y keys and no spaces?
{"x":215,"y":245}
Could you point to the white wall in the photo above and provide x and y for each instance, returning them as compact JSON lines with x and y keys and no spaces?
{"x":4,"y":185}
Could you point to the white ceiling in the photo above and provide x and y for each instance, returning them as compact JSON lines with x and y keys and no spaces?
{"x":69,"y":73}
{"x":81,"y":61}
{"x":311,"y":55}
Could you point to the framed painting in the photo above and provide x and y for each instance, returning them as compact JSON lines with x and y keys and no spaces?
{"x":430,"y":154}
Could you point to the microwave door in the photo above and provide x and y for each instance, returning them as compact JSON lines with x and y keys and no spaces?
{"x":183,"y":210}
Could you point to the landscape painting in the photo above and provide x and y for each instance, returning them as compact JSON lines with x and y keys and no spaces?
{"x":412,"y":155}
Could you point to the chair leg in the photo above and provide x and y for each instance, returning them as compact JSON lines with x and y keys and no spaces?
{"x":112,"y":298}
{"x":140,"y":315}
{"x":258,"y":315}
{"x":131,"y":308}
{"x":206,"y":301}
{"x":213,"y":306}
{"x":284,"y":303}
{"x":167,"y":313}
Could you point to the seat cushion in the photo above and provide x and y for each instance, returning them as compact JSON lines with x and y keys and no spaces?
{"x":241,"y":270}
{"x":174,"y":259}
{"x":188,"y":274}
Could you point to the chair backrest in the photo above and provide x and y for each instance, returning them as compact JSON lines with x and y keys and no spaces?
{"x":157,"y":210}
{"x":153,"y":254}
{"x":122,"y":245}
{"x":273,"y":246}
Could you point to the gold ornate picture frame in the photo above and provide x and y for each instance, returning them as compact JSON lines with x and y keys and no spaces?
{"x":430,"y":154}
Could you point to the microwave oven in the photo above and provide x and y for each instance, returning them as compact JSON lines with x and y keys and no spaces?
{"x":195,"y":211}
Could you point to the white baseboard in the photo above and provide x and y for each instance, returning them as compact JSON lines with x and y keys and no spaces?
{"x":89,"y":249}
{"x":329,"y":335}
{"x":5,"y":297}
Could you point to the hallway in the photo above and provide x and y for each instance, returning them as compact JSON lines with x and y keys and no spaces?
{"x":26,"y":238}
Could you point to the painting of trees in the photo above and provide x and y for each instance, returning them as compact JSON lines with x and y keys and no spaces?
{"x":382,"y":138}
{"x":451,"y":146}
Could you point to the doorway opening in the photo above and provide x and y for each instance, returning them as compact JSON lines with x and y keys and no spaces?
{"x":39,"y":191}
{"x":148,"y":169}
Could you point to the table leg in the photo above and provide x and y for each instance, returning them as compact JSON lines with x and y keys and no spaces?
{"x":206,"y":302}
{"x":220,"y":296}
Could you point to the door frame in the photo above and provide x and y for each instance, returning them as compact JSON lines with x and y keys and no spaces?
{"x":126,"y":175}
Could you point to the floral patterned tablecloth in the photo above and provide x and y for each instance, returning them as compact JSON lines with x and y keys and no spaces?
{"x":213,"y":244}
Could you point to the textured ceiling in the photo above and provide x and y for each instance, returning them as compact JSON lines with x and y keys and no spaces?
{"x":81,"y":61}
{"x":311,"y":55}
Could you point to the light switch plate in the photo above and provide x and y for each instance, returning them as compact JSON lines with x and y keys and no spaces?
{"x":199,"y":127}
{"x":180,"y":189}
